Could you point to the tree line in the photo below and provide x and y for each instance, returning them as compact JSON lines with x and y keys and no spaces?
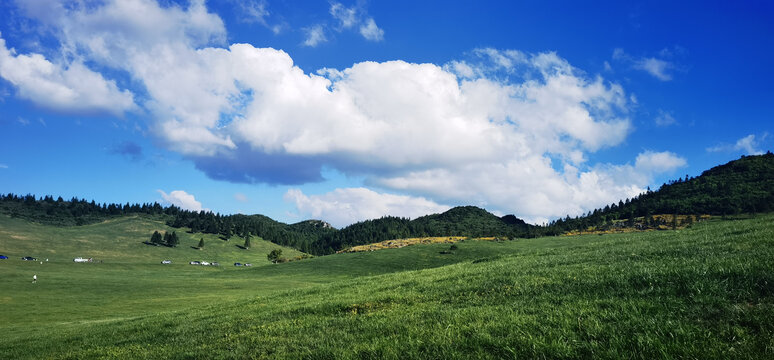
{"x":168,"y":239}
{"x":744,"y":185}
{"x":75,"y":211}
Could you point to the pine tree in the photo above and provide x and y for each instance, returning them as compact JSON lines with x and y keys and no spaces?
{"x":172,"y":241}
{"x":247,"y":241}
{"x":156,"y":238}
{"x":201,"y":244}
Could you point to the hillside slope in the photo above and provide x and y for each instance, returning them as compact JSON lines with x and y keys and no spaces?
{"x":704,"y":292}
{"x":121,"y":240}
{"x":459,"y":221}
{"x":745,"y":185}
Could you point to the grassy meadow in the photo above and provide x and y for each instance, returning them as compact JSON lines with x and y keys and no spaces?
{"x":702,"y":292}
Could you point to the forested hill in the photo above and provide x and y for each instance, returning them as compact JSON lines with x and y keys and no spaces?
{"x":745,"y":185}
{"x":61,"y":212}
{"x":311,"y":236}
{"x":459,"y":221}
{"x":473,"y":221}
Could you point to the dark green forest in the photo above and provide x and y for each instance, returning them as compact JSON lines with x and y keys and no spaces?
{"x":745,"y":185}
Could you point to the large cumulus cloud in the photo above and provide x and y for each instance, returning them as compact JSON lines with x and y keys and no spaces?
{"x":501,"y":128}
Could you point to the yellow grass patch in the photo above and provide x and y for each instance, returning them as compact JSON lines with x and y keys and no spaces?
{"x":682,"y":220}
{"x":399,"y":243}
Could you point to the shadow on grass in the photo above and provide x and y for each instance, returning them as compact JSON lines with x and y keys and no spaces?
{"x":241,"y":247}
{"x":164,"y":245}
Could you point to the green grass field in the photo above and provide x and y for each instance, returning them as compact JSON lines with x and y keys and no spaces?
{"x":702,"y":292}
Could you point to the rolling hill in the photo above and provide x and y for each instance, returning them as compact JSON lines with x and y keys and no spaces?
{"x":705,"y":291}
{"x":743,"y":185}
{"x":702,"y":292}
{"x":122,"y":240}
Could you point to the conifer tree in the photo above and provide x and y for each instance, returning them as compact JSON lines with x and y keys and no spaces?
{"x":156,"y":238}
{"x":247,"y":241}
{"x":201,"y":244}
{"x":172,"y":241}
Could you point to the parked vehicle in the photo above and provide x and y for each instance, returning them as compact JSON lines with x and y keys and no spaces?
{"x":3,"y":257}
{"x":248,"y":264}
{"x":166,"y":262}
{"x":237,"y":264}
{"x":205,"y":263}
{"x":195,"y":263}
{"x":29,"y":258}
{"x":214,"y":264}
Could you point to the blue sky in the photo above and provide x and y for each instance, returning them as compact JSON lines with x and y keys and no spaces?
{"x":346,"y":111}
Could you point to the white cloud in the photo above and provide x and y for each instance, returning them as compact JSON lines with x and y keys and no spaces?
{"x":664,"y":119}
{"x":3,"y":166}
{"x":660,"y":68}
{"x":620,"y":54}
{"x":504,"y":129}
{"x":347,"y":17}
{"x":650,"y":162}
{"x":182,"y":200}
{"x":71,"y":87}
{"x":503,"y":59}
{"x":342,"y":207}
{"x":256,"y":11}
{"x":656,"y":67}
{"x":749,"y":145}
{"x":240,"y":197}
{"x":314,"y":35}
{"x":370,"y":31}
{"x":532,"y":188}
{"x":461,"y":69}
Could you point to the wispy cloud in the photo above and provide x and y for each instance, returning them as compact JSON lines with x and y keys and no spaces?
{"x":241,"y":197}
{"x":370,"y":31}
{"x":660,"y":69}
{"x":664,"y":119}
{"x":660,"y":66}
{"x":348,"y":18}
{"x":257,"y":11}
{"x":315,"y":35}
{"x":3,"y":166}
{"x":749,"y":145}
